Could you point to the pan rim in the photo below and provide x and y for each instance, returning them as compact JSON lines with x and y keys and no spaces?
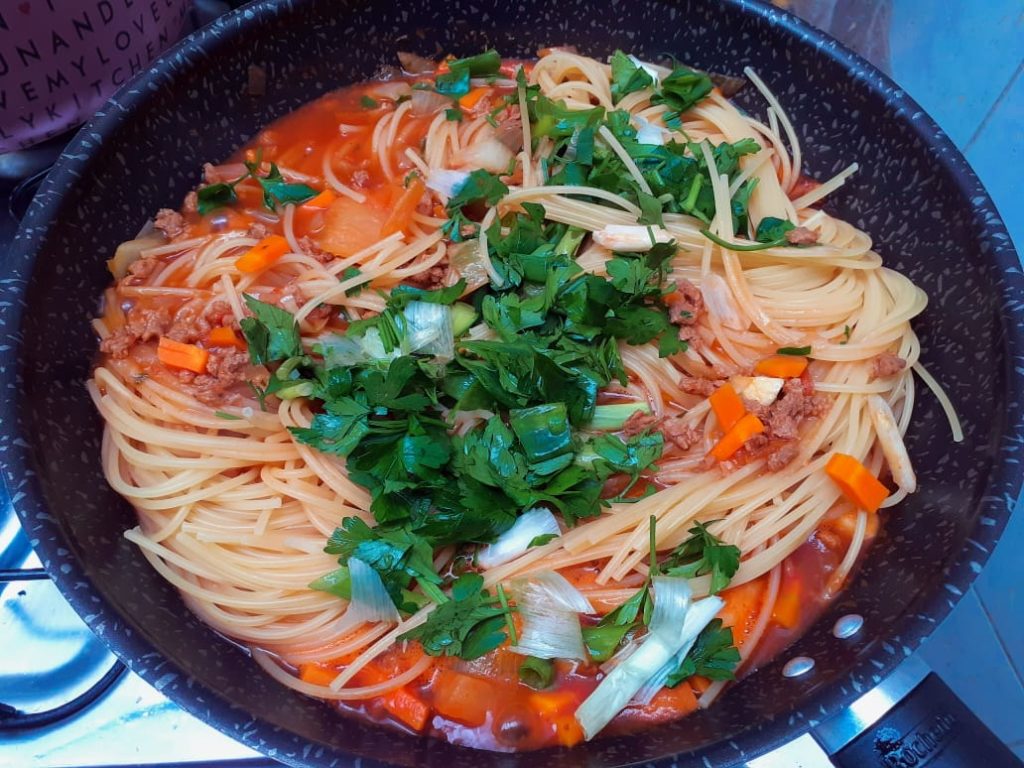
{"x":1003,"y":484}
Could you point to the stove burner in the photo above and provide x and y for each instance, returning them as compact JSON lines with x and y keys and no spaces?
{"x":13,"y":719}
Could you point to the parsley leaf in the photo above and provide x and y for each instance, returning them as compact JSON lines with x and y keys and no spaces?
{"x":773,"y":230}
{"x":704,"y":553}
{"x":468,"y":625}
{"x":627,"y":77}
{"x":481,"y":65}
{"x":277,"y":190}
{"x":682,"y":89}
{"x":271,"y":334}
{"x":713,"y":656}
{"x":368,"y":102}
{"x":480,"y":186}
{"x":795,"y":351}
{"x":214,"y":196}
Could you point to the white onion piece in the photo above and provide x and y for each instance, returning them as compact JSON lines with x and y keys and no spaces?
{"x":339,"y":350}
{"x":550,"y":606}
{"x":893,"y":447}
{"x":370,"y":599}
{"x":674,"y":627}
{"x":630,"y":238}
{"x":720,"y":302}
{"x":760,"y":389}
{"x":516,"y":540}
{"x":488,"y":154}
{"x":446,"y":182}
{"x":465,"y":259}
{"x":130,"y":251}
{"x":428,"y":330}
{"x":393,"y":90}
{"x":426,"y":103}
{"x":649,"y":133}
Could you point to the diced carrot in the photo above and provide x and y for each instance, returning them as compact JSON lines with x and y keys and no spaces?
{"x":733,"y":440}
{"x":727,"y":405}
{"x":471,"y":99}
{"x":856,"y":482}
{"x":786,"y":612}
{"x":463,"y":698}
{"x":743,"y":604}
{"x":698,"y":684}
{"x":407,"y":707}
{"x":321,"y":201}
{"x":188,"y":357}
{"x":404,"y":208}
{"x":558,"y":708}
{"x":349,"y":227}
{"x":224,"y":336}
{"x":782,"y":366}
{"x":317,"y":674}
{"x":263,"y":254}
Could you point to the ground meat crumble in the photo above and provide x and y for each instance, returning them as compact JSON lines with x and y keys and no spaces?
{"x":886,"y":364}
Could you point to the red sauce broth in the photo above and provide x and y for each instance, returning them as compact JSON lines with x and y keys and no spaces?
{"x":481,"y":703}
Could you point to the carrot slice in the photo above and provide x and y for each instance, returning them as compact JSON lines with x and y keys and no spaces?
{"x":404,"y":705}
{"x":471,"y":99}
{"x":463,"y":698}
{"x":322,"y":200}
{"x":727,"y":405}
{"x":224,"y":336}
{"x":782,"y":366}
{"x":856,"y":482}
{"x":188,"y":357}
{"x":786,"y":611}
{"x":263,"y":254}
{"x":733,"y":440}
{"x":401,"y":214}
{"x":317,"y":674}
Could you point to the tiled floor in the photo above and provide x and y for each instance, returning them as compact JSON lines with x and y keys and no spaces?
{"x":963,"y":61}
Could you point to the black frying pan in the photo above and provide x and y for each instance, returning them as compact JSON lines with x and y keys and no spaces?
{"x":914,"y":194}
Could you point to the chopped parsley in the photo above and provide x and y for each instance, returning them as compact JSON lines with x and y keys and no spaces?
{"x":627,"y":77}
{"x":368,"y":102}
{"x":713,"y":656}
{"x":275,"y":189}
{"x":271,"y":333}
{"x":468,"y":625}
{"x":773,"y":230}
{"x":794,"y":351}
{"x":704,"y":553}
{"x":480,"y":187}
{"x":455,"y":82}
{"x":386,"y":408}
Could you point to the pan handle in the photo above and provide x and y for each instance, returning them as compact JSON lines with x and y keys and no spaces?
{"x":911,"y":719}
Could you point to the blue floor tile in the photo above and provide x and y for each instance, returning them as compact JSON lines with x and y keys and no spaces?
{"x":997,"y":153}
{"x":1000,"y":588}
{"x":955,"y":58}
{"x":966,"y":653}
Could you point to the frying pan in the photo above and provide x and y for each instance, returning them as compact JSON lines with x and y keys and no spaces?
{"x":914,"y":193}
